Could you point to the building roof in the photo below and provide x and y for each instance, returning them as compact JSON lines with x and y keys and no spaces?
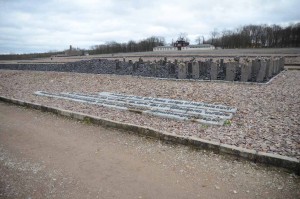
{"x":191,"y":46}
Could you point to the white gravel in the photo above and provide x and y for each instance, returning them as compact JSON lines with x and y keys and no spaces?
{"x":267,"y":118}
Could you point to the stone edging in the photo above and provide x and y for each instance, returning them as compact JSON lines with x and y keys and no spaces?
{"x":289,"y":163}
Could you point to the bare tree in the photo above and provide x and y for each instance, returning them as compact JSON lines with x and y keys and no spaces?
{"x":214,"y":34}
{"x":183,"y":36}
{"x":198,"y":40}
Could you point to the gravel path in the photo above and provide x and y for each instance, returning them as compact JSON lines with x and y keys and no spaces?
{"x":46,"y":156}
{"x":267,"y":118}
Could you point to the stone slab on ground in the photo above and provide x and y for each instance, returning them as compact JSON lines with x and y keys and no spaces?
{"x":162,"y":107}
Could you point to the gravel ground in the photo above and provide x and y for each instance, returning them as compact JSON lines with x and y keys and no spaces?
{"x":43,"y":155}
{"x":267,"y":118}
{"x":291,"y":54}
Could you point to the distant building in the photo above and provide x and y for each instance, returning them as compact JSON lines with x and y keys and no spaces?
{"x":180,"y":43}
{"x":73,"y":52}
{"x":164,"y":48}
{"x":184,"y":47}
{"x":183,"y":44}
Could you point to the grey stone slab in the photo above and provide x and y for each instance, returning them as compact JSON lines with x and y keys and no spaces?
{"x":279,"y":66}
{"x":213,"y":71}
{"x":230,"y":71}
{"x":190,"y":104}
{"x":221,"y":70}
{"x":167,"y":114}
{"x":283,"y":63}
{"x":262,"y":71}
{"x":189,"y":68}
{"x":182,"y":116}
{"x":212,"y":121}
{"x":135,"y":66}
{"x":208,"y":68}
{"x":276,"y":66}
{"x":269,"y":69}
{"x":202,"y":68}
{"x":182,"y":71}
{"x":153,"y":68}
{"x":175,"y":61}
{"x":161,"y":103}
{"x":246,"y":71}
{"x":221,"y":63}
{"x":172,"y":68}
{"x":206,"y":113}
{"x":255,"y":67}
{"x":196,"y":71}
{"x":141,"y":60}
{"x":118,"y":67}
{"x":176,"y":109}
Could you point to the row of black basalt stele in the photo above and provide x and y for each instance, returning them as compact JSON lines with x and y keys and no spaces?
{"x":167,"y":69}
{"x":256,"y":70}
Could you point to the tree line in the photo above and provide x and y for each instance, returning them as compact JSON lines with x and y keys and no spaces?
{"x":131,"y":46}
{"x":29,"y":55}
{"x":257,"y":36}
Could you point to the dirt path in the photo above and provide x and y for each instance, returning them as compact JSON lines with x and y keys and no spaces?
{"x":46,"y":156}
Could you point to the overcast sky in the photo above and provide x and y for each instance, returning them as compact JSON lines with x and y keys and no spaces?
{"x":38,"y":26}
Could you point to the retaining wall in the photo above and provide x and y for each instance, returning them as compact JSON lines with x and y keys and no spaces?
{"x":256,"y":70}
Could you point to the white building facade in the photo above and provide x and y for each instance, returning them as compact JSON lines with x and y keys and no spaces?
{"x":190,"y":47}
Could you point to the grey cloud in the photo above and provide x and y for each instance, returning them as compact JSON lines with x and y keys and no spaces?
{"x":34,"y":25}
